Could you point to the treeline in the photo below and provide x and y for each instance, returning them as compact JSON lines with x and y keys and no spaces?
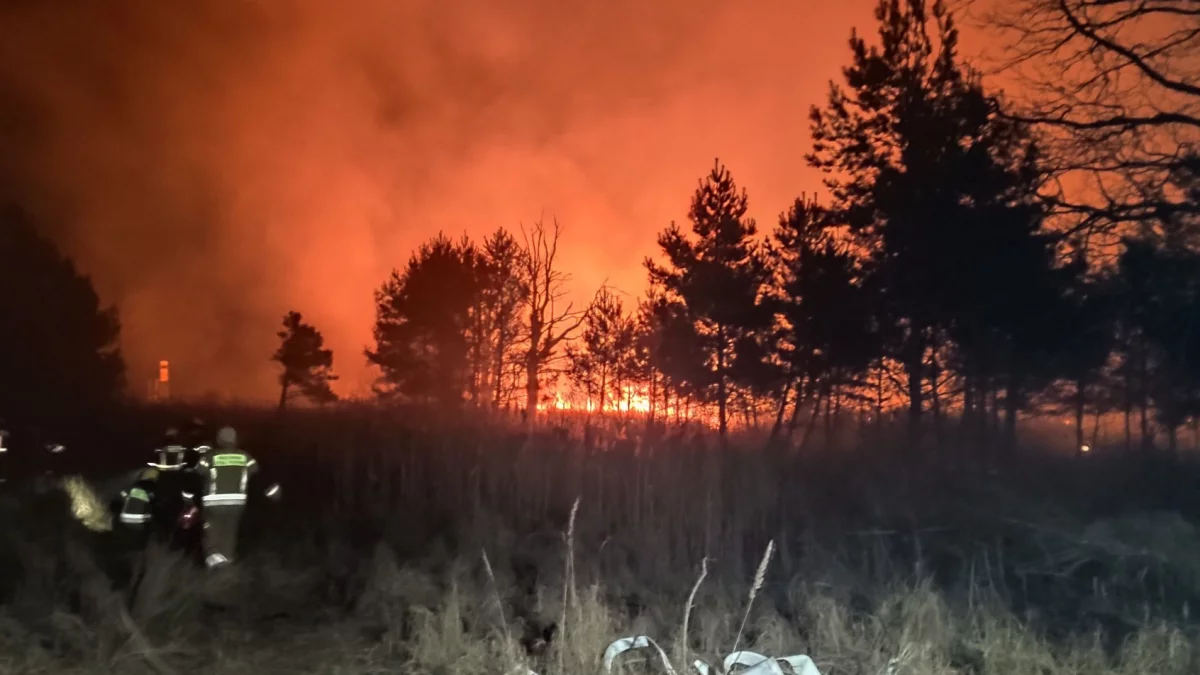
{"x":933,"y":276}
{"x":477,"y":323}
{"x":945,"y":275}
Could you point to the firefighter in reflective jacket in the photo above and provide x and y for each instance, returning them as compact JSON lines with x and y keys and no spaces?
{"x":137,"y":504}
{"x":169,"y":456}
{"x":172,"y":498}
{"x":225,"y":474}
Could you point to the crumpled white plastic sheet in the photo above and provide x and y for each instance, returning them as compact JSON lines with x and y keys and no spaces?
{"x":751,"y":663}
{"x":640,"y":642}
{"x":754,"y":663}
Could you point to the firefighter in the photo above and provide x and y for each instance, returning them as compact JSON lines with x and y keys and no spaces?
{"x":170,"y":501}
{"x":169,"y":455}
{"x":137,"y":503}
{"x":134,"y":525}
{"x":225,"y":474}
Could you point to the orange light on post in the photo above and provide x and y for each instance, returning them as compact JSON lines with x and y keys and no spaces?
{"x":160,"y":387}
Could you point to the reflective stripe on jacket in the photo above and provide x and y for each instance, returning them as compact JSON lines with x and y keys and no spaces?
{"x":226,"y":474}
{"x":170,"y":457}
{"x":135,"y":508}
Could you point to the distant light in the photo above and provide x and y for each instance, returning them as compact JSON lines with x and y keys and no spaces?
{"x":164,"y":372}
{"x":1085,"y":448}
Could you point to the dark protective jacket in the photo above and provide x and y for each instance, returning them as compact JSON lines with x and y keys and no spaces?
{"x":173,"y":484}
{"x":225,"y":474}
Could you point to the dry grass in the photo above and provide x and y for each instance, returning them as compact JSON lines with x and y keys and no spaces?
{"x":400,"y":550}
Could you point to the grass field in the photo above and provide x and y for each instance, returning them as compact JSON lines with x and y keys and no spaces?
{"x":411,"y":544}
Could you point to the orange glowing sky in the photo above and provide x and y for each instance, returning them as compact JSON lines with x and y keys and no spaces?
{"x":214,"y":164}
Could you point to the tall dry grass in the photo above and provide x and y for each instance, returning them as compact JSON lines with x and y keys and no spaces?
{"x":464,"y":546}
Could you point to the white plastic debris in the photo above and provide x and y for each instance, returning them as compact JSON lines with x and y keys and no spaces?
{"x":626,"y":644}
{"x":801,"y":664}
{"x":752,"y":663}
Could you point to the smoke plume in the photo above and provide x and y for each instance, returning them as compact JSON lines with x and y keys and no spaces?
{"x":215,"y":164}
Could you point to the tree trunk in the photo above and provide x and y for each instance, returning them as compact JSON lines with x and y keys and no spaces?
{"x":827,"y":426}
{"x":1144,"y":400}
{"x":780,"y":410}
{"x":879,"y":402}
{"x":914,"y":407}
{"x":498,"y":385}
{"x":812,"y":420}
{"x":283,"y":393}
{"x":1128,"y":427}
{"x":603,"y":389}
{"x":914,"y":372}
{"x":993,"y":425}
{"x":651,"y":400}
{"x":794,"y":421}
{"x":935,"y":397}
{"x":1080,"y":402}
{"x":478,"y":367}
{"x":1011,"y":409}
{"x":837,"y":416}
{"x":968,"y":412}
{"x":1127,"y":398}
{"x":532,"y":389}
{"x":979,"y":425}
{"x":722,"y":390}
{"x":1144,"y":424}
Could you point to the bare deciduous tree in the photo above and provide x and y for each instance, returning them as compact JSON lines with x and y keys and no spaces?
{"x":550,"y":318}
{"x":1115,"y":86}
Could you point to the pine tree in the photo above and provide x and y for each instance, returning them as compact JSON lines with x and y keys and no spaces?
{"x":307,"y":364}
{"x":600,"y":357}
{"x":717,"y":278}
{"x":59,"y":352}
{"x":423,"y":324}
{"x":1162,"y":286}
{"x":502,"y":293}
{"x":826,"y":335}
{"x":941,"y":190}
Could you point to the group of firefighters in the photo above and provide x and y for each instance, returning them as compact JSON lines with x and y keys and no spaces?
{"x":190,"y":484}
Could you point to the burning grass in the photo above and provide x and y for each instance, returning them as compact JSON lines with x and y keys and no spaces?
{"x":472,"y":549}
